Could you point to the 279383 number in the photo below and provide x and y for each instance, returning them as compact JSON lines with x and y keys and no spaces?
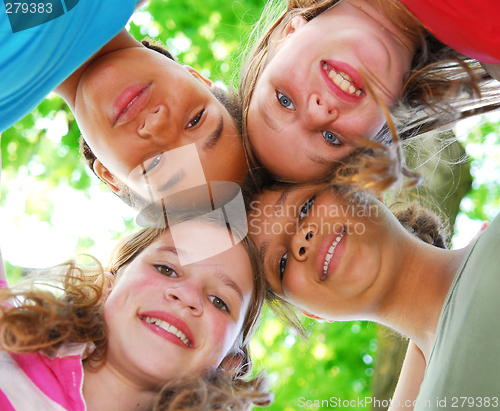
{"x":462,"y":402}
{"x":38,"y":8}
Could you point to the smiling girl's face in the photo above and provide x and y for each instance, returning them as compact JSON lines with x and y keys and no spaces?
{"x":311,"y":104}
{"x":166,"y":321}
{"x":322,"y":254}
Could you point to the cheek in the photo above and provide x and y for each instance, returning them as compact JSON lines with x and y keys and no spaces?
{"x":296,"y":286}
{"x":223,"y":334}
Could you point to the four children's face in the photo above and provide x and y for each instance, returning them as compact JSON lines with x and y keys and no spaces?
{"x":309,"y":108}
{"x":166,"y":321}
{"x":311,"y":103}
{"x":134,"y":104}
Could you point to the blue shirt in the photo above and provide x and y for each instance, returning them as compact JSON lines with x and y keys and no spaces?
{"x":34,"y":61}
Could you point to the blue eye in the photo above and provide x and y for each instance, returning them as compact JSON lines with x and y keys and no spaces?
{"x":306,"y":208}
{"x":331,"y":138}
{"x":282,"y":265}
{"x":285,"y":101}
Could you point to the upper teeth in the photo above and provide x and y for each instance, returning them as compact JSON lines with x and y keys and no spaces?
{"x":343,"y":80}
{"x":168,"y":327}
{"x":330,"y":252}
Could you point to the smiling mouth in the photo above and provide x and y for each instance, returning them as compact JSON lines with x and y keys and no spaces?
{"x":330,"y":253}
{"x":169,"y":328}
{"x":342,"y":80}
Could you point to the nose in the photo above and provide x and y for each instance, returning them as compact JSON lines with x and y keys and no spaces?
{"x":156,"y":123}
{"x":302,"y":242}
{"x":187,"y":296}
{"x":321,"y":110}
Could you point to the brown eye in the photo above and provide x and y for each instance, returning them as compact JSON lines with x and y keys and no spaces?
{"x":196,"y":119}
{"x":283,"y":262}
{"x":306,"y":208}
{"x":165,"y":270}
{"x":219,"y":303}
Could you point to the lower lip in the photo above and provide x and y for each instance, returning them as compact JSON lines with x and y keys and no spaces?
{"x":165,"y":334}
{"x":138,"y":95}
{"x":337,"y":254}
{"x":336,"y":90}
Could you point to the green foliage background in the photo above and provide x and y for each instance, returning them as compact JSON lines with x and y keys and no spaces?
{"x":339,"y":358}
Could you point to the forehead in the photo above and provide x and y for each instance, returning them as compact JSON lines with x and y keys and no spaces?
{"x":233,"y":262}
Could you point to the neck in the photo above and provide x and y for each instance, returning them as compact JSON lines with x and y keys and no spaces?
{"x":67,"y":89}
{"x":105,"y":389}
{"x":417,"y":297}
{"x":391,"y":16}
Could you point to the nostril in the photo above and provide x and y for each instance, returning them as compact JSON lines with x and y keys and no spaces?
{"x":302,"y":251}
{"x":309,"y":235}
{"x":318,"y":103}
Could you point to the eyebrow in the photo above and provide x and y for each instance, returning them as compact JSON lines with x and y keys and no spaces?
{"x":263,"y":110}
{"x":263,"y":250}
{"x":169,"y":249}
{"x":230,"y":283}
{"x":320,"y":160}
{"x":214,"y":136}
{"x":283,"y":198}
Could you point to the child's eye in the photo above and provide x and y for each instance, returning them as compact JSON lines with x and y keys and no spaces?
{"x":331,"y":138}
{"x":153,"y":164}
{"x":306,"y":208}
{"x":165,"y":270}
{"x":282,"y":265}
{"x":218,"y":303}
{"x":285,"y":101}
{"x":196,"y":119}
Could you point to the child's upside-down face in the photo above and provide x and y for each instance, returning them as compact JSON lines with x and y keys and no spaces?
{"x":134,"y":104}
{"x":311,"y":102}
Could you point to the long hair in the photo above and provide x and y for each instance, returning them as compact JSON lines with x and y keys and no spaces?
{"x":36,"y":319}
{"x":441,"y":87}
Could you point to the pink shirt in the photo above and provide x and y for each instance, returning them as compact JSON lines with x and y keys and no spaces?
{"x":37,"y":382}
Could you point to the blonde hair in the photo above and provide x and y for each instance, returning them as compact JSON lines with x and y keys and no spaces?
{"x":437,"y":77}
{"x":34,"y":319}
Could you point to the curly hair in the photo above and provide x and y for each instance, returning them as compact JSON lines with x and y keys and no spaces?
{"x":35,"y":319}
{"x":440,"y":88}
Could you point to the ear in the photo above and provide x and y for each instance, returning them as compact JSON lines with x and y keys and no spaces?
{"x":107,"y":280}
{"x":314,"y":317}
{"x":198,"y":76}
{"x":291,"y":27}
{"x":232,"y":361}
{"x":105,"y":176}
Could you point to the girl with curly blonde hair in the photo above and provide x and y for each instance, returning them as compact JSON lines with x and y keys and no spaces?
{"x":146,"y":333}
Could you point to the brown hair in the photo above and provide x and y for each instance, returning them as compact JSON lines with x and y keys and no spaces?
{"x":438,"y":76}
{"x":41,"y":321}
